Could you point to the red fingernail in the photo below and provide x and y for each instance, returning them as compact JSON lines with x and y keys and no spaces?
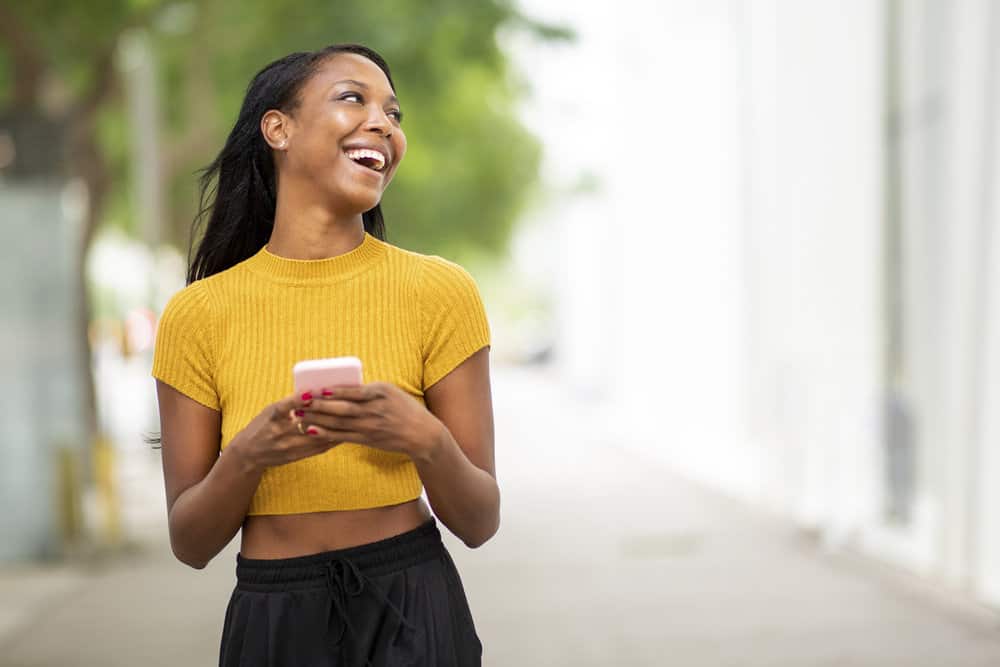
{"x":311,"y":431}
{"x":300,"y":413}
{"x":327,"y":392}
{"x":307,"y":396}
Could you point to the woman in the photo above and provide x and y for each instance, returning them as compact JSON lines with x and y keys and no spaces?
{"x":341,"y":561}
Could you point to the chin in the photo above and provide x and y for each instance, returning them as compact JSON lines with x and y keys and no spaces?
{"x":368,"y":204}
{"x":360,"y":201}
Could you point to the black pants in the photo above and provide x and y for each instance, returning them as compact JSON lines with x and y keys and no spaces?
{"x":396,"y":602}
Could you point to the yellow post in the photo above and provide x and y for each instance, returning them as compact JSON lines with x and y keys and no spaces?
{"x":69,"y":496}
{"x":107,"y":491}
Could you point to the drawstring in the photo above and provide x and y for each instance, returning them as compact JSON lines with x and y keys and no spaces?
{"x":339,"y":575}
{"x":336,"y":582}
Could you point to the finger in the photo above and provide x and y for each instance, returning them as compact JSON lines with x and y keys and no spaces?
{"x":314,"y":436}
{"x":337,"y":408}
{"x":358,"y":393}
{"x":334,"y":428}
{"x":313,"y":419}
{"x":305,"y":423}
{"x":337,"y":423}
{"x":291,"y":403}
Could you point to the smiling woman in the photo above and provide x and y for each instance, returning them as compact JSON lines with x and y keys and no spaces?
{"x":341,"y":560}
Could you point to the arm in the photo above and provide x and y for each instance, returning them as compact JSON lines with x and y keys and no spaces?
{"x":454,"y":455}
{"x":208,"y":495}
{"x":450,"y":441}
{"x":457,"y":467}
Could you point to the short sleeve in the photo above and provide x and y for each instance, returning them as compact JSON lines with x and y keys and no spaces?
{"x":182,"y":356}
{"x":453,"y":320}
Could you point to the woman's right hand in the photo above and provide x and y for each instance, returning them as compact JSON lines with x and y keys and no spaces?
{"x":274,"y":437}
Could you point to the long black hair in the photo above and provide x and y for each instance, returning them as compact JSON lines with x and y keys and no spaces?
{"x":237,"y":190}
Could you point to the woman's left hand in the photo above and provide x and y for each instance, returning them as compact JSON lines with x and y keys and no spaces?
{"x":378,"y":414}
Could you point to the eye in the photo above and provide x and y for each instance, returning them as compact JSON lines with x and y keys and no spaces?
{"x":394,"y":113}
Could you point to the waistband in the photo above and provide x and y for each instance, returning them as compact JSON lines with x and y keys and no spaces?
{"x":373,"y":559}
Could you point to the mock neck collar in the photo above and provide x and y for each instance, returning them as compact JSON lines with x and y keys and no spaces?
{"x":318,"y":271}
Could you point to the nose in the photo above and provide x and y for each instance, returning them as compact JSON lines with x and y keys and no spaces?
{"x":378,"y":121}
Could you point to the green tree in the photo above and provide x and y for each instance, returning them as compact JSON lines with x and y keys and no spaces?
{"x":470,"y":166}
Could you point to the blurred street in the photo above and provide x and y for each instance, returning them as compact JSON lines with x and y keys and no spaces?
{"x":603,"y":558}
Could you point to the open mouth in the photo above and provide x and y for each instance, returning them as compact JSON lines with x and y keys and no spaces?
{"x":368,"y":158}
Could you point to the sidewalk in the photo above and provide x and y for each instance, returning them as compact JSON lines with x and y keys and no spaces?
{"x":603,"y":559}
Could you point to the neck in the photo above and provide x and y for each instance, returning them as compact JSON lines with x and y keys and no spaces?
{"x":310,"y":230}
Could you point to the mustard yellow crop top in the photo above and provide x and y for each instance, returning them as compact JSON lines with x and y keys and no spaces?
{"x":229,"y":342}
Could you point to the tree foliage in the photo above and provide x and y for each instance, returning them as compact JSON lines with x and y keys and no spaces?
{"x":470,"y":166}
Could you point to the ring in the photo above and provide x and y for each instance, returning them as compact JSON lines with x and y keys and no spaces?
{"x":299,"y":425}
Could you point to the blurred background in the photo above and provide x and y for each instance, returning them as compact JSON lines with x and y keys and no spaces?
{"x":738,"y":259}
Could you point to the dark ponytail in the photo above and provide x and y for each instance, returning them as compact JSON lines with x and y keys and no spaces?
{"x":237,"y":190}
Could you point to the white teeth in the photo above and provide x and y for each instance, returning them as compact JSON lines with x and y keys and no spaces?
{"x":358,"y":153}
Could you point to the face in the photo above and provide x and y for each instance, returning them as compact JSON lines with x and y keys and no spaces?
{"x":344,"y":137}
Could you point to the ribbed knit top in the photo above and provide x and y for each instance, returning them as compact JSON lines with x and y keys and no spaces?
{"x":229,"y":342}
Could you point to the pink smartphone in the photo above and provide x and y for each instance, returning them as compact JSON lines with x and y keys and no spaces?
{"x":315,"y":374}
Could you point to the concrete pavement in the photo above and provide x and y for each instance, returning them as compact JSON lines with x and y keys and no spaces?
{"x":603,"y":558}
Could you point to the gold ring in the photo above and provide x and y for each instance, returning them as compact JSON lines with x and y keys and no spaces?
{"x":299,"y":425}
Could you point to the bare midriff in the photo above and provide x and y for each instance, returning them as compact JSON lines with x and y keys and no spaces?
{"x":291,"y":535}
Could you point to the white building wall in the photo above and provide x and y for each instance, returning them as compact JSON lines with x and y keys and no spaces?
{"x":959,"y":354}
{"x":815,"y":208}
{"x":649,"y":306}
{"x":922,"y":91}
{"x":985,"y":524}
{"x":807,"y":239}
{"x":680,"y":301}
{"x":725,"y":286}
{"x":817,"y":260}
{"x":986,"y":499}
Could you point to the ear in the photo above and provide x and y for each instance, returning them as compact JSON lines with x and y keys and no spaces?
{"x":276,"y":128}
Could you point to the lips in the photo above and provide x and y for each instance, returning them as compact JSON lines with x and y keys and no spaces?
{"x":371,"y":157}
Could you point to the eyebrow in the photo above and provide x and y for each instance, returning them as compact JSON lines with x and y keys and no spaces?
{"x":361,"y":84}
